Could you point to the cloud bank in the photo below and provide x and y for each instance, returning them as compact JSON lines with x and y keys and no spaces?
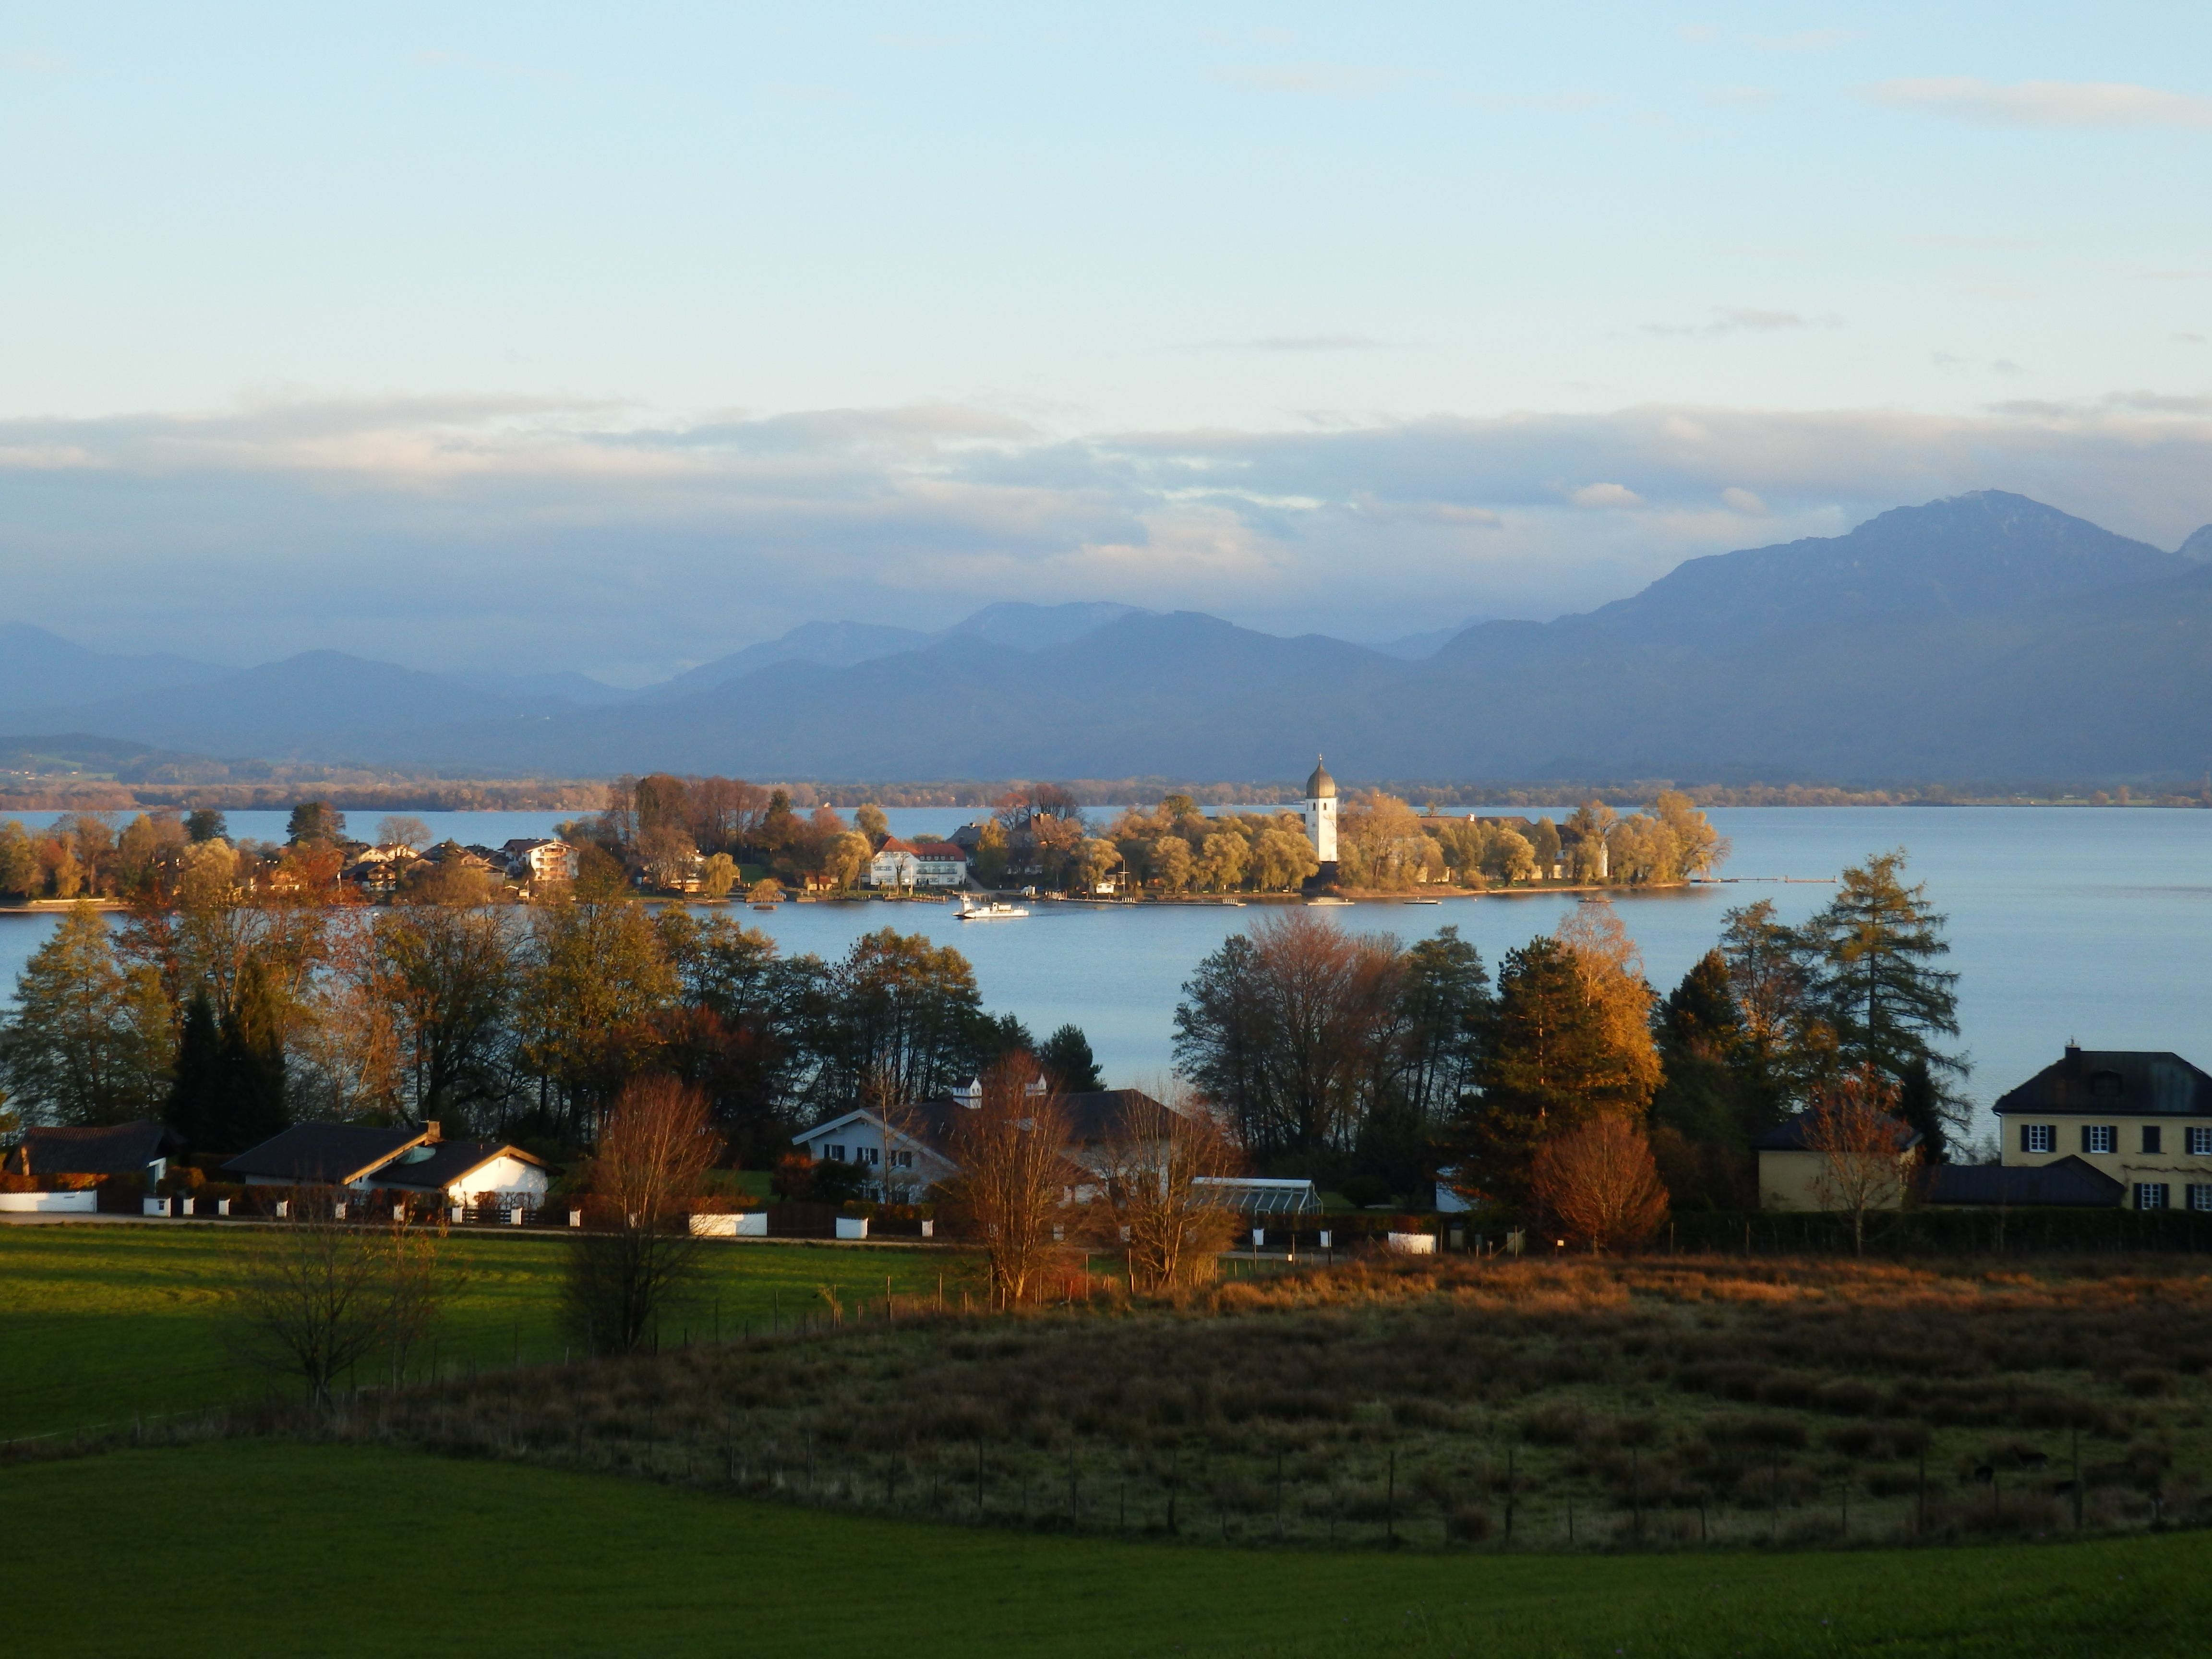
{"x":529,"y":534}
{"x":2047,"y":103}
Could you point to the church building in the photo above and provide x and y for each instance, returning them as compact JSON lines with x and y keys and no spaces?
{"x":1321,"y":820}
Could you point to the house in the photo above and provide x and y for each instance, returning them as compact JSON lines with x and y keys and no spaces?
{"x":474,"y":1172}
{"x":1792,"y":1175}
{"x":897,"y":864}
{"x":902,"y":1160}
{"x":539,"y":860}
{"x":939,"y":864}
{"x":141,"y":1149}
{"x":399,"y":1159}
{"x":2140,"y":1118}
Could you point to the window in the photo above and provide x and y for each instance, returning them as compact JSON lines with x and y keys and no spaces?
{"x":2039,"y":1137}
{"x":2200,"y":1195}
{"x":869,"y":1154}
{"x":902,"y":1160}
{"x":2150,"y":1194}
{"x":836,"y":1154}
{"x":2100,"y":1137}
{"x":2150,"y":1138}
{"x":2200,"y":1143}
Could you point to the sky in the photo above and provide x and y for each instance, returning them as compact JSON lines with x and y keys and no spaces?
{"x":522,"y":337}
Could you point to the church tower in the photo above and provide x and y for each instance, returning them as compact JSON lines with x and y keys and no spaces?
{"x":1320,"y":818}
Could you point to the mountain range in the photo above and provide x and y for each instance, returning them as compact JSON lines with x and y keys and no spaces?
{"x":1985,"y":636}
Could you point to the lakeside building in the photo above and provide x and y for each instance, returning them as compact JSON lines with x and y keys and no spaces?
{"x":2141,"y":1119}
{"x":1321,"y":820}
{"x":917,"y":863}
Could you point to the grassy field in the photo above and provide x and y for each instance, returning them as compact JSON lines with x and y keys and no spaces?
{"x":1661,"y":1402}
{"x":101,"y":1321}
{"x":343,"y":1550}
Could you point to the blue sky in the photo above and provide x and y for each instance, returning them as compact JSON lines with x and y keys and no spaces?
{"x":542,"y":337}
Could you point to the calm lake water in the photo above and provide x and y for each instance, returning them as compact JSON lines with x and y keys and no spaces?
{"x":2086,"y":923}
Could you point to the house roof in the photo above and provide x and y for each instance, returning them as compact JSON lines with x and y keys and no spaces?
{"x":893,"y":844}
{"x":2069,"y":1181}
{"x":2113,"y":1080}
{"x":1092,"y":1117}
{"x":436,"y":1165}
{"x":940,"y":850}
{"x":324,"y":1154}
{"x":1789,"y":1136}
{"x":123,"y":1149}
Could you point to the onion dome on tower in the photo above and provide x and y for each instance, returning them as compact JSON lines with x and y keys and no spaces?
{"x":1321,"y":785}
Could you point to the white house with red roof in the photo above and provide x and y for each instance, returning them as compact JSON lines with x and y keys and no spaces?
{"x":917,"y":863}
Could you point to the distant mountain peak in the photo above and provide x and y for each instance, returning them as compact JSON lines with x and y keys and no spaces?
{"x":2198,"y":547}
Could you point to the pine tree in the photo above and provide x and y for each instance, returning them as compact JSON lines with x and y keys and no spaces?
{"x":89,"y":1042}
{"x":1553,"y":1062}
{"x":1871,"y":956}
{"x":1066,"y":1055}
{"x":196,"y":1097}
{"x":252,"y":1065}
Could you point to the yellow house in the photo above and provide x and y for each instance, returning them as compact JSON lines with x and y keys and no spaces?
{"x":2142,"y":1117}
{"x":1793,"y":1177}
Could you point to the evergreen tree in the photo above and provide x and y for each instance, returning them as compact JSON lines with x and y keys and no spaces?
{"x":1706,"y":1107}
{"x":1066,"y":1055}
{"x":195,"y":1106}
{"x":252,"y":1064}
{"x":88,"y":1042}
{"x":315,"y":821}
{"x":1871,"y":955}
{"x":1553,"y":1061}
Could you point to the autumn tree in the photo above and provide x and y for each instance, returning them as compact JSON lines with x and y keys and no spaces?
{"x":1013,"y":1174}
{"x":1862,"y":1143}
{"x":899,"y":1008}
{"x":315,"y":821}
{"x":1157,"y":1163}
{"x":1568,"y":1042}
{"x":1597,"y":1182}
{"x":651,"y":1159}
{"x":594,"y":974}
{"x":1282,"y":1027}
{"x":400,"y":829}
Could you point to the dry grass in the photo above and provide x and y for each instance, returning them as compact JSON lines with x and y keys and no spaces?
{"x":1653,"y":1402}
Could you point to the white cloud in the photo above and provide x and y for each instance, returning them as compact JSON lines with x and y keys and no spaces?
{"x":1320,"y":80}
{"x":517,"y":532}
{"x":2046,"y":103}
{"x":1742,"y":319}
{"x":1605,"y":495}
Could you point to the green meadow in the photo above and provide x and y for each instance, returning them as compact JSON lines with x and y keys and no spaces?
{"x":342,"y":1551}
{"x":100,"y":1322}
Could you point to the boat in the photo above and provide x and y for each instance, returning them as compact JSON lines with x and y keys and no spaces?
{"x":1424,"y":900}
{"x":996,"y":910}
{"x":1328,"y":901}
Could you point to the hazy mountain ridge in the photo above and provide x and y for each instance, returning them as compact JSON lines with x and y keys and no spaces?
{"x":1985,"y":635}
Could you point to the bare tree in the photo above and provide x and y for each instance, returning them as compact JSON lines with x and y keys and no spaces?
{"x":1160,"y":1154}
{"x":1864,"y":1145}
{"x":653,"y":1156}
{"x":317,"y":1295}
{"x":1014,"y":1176}
{"x":1599,"y":1183}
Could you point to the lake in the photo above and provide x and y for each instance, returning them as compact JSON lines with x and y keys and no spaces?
{"x":2086,"y":923}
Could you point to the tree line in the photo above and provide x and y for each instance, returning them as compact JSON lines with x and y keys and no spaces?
{"x":230,"y":1011}
{"x":1373,"y":1063}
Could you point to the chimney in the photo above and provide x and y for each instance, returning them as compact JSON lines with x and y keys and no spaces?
{"x":2073,"y":1058}
{"x":430,"y":1128}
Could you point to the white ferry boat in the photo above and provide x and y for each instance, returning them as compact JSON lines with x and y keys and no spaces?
{"x":994,"y":911}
